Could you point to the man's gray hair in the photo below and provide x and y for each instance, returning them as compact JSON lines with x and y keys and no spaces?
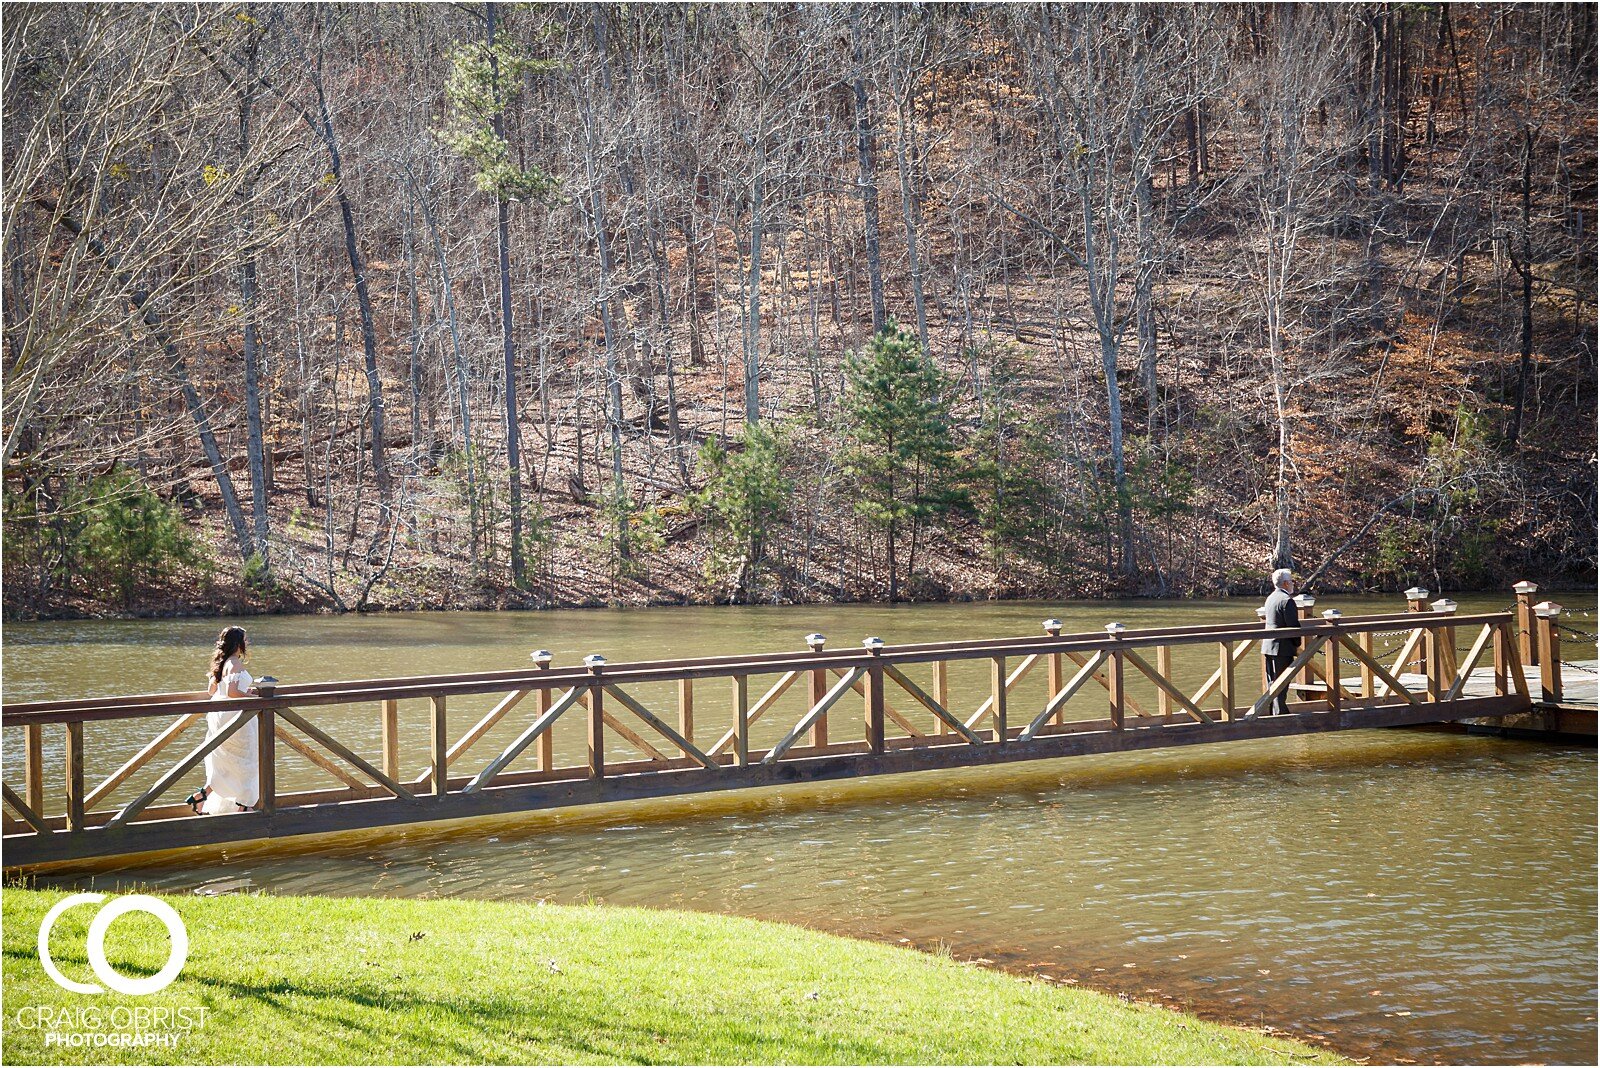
{"x":1280,"y":576}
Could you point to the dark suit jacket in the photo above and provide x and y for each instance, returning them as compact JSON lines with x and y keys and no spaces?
{"x":1281,"y":612}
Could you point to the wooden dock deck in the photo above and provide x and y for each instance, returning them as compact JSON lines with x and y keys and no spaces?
{"x":1115,"y":691}
{"x":1572,"y":717}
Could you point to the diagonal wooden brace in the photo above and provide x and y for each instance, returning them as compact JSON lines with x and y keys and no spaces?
{"x":1086,"y":671}
{"x":661,"y":725}
{"x":1285,"y":680}
{"x":757,"y":710}
{"x":1166,"y":686}
{"x":338,"y":749}
{"x":1392,"y":683}
{"x":32,"y":818}
{"x":816,"y":712}
{"x":944,"y":714}
{"x":184,"y":766}
{"x":523,"y":740}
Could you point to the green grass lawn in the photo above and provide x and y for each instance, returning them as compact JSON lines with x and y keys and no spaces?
{"x":287,"y":980}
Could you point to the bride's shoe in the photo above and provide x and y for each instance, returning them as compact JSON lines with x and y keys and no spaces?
{"x":196,"y":799}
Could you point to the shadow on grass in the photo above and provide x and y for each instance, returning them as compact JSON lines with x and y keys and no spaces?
{"x":291,"y":1021}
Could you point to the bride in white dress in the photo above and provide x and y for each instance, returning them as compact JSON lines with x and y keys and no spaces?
{"x":233,"y":781}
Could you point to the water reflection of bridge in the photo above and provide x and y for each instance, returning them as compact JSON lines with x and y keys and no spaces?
{"x":788,"y":719}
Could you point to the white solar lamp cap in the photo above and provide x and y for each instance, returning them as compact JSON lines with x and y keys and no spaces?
{"x":872,"y":645}
{"x":816,"y":641}
{"x":542,"y":657}
{"x":1526,"y":587}
{"x":594,"y":661}
{"x":1332,"y":613}
{"x":1052,"y":627}
{"x":1547,"y":610}
{"x":1305,"y":600}
{"x":1416,"y":593}
{"x":1115,"y":629}
{"x":1443,"y":604}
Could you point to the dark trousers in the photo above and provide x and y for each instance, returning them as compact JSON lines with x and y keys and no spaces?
{"x":1277,"y":664}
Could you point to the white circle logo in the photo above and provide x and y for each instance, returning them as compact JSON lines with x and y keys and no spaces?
{"x":96,"y":945}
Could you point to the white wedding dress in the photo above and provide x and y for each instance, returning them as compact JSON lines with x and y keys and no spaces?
{"x":231,"y":769}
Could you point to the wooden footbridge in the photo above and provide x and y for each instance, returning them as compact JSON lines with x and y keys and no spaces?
{"x":655,"y":728}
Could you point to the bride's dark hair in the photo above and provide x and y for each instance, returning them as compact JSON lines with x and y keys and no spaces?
{"x":230,"y":643}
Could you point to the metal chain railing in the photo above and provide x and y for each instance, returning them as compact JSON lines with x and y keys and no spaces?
{"x":1586,"y":635}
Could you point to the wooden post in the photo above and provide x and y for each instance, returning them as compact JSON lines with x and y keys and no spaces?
{"x":874,"y":708}
{"x":1447,"y":639}
{"x":389,"y":719}
{"x":816,"y":690}
{"x":439,"y":745}
{"x":1369,"y":681}
{"x":267,"y":759}
{"x":997,"y":696}
{"x":75,"y":775}
{"x":1225,"y":684}
{"x":1433,"y":663}
{"x":1330,"y":659}
{"x":1502,"y":667}
{"x":1527,"y":642}
{"x":33,"y":766}
{"x":597,"y":732}
{"x":1549,"y":649}
{"x":741,"y":719}
{"x":1052,"y":665}
{"x":1114,"y":688}
{"x":1417,"y":601}
{"x":1164,"y":669}
{"x":542,"y":700}
{"x":941,"y":690}
{"x":1305,"y":603}
{"x":686,"y":709}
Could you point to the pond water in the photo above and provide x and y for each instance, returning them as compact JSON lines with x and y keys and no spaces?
{"x":1407,"y":894}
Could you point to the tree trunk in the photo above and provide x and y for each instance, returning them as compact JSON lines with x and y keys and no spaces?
{"x":657,"y":237}
{"x":1102,"y":298}
{"x":894,"y":570}
{"x":752,"y":328}
{"x":867,"y":174}
{"x":596,"y":212}
{"x":447,"y":292}
{"x":507,"y":343}
{"x":909,"y":211}
{"x":252,"y":357}
{"x":1144,"y":272}
{"x":1282,"y":551}
{"x":139,"y":298}
{"x":408,"y":242}
{"x":358,"y":270}
{"x":1524,"y":266}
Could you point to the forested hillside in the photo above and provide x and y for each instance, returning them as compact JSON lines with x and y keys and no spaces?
{"x":463,"y":305}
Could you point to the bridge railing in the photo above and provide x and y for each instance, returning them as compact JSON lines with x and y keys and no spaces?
{"x":668,"y":726}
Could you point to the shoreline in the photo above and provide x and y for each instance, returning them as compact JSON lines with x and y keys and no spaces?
{"x":793,"y":994}
{"x":242,"y":611}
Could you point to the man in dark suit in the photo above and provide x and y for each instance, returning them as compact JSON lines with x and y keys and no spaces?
{"x":1279,"y":653}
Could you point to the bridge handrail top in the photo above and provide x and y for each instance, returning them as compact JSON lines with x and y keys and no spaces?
{"x":423,"y":686}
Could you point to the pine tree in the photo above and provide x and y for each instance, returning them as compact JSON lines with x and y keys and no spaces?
{"x":899,"y":449}
{"x":746,"y":493}
{"x":481,"y":76}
